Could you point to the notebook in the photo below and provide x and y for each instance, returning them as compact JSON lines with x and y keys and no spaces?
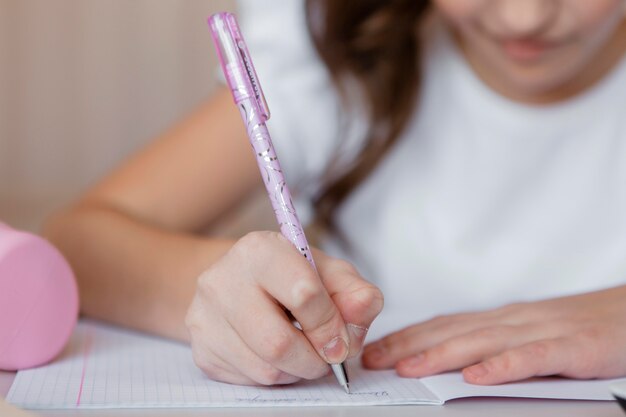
{"x":109,"y":367}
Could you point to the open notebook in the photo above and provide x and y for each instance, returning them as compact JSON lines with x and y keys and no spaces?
{"x":107,"y":367}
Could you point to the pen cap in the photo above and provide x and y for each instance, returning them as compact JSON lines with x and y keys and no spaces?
{"x":38,"y":300}
{"x":235,"y":61}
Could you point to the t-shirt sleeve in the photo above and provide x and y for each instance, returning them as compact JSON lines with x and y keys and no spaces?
{"x":304,"y":106}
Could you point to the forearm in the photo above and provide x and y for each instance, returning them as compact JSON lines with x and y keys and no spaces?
{"x":132,"y":273}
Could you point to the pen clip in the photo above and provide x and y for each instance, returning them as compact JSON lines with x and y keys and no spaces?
{"x":233,"y":51}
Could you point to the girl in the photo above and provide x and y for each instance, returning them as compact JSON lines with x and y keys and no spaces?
{"x":469,"y":156}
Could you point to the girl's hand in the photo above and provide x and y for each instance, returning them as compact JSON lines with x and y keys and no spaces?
{"x":241,"y":332}
{"x":582,"y":336}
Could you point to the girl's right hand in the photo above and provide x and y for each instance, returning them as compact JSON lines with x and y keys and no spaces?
{"x":239,"y":323}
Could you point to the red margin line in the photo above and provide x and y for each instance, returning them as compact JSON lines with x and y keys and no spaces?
{"x":86,"y":352}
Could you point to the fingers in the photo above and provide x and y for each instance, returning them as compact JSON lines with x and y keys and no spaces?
{"x":334,"y":306}
{"x":270,"y":334}
{"x":226,"y":358}
{"x":240,"y":331}
{"x":301,"y":291}
{"x":216,"y":368}
{"x":506,"y":353}
{"x":513,"y":343}
{"x":584,"y":351}
{"x":467,"y":349}
{"x":358,"y":301}
{"x":415,"y":339}
{"x":271,"y":264}
{"x":385,"y":353}
{"x":540,"y":358}
{"x":219,"y":349}
{"x":458,"y":352}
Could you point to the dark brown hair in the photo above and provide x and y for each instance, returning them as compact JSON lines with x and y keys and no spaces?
{"x":375,"y":43}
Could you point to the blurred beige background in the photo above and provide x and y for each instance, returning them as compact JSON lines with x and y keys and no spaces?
{"x":83,"y":83}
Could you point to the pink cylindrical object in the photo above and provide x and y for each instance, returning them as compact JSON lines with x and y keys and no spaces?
{"x":38,"y":300}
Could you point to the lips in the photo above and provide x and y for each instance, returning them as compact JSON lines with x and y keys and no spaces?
{"x":526,"y":50}
{"x":523,"y":49}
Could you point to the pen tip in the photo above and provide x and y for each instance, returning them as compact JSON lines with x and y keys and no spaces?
{"x":347,"y":388}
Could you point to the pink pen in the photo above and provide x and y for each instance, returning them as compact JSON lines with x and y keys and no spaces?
{"x":244,"y":85}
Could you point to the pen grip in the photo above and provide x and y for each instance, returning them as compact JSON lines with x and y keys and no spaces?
{"x":273,"y":178}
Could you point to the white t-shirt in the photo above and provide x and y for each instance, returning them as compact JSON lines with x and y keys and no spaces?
{"x":483,"y":201}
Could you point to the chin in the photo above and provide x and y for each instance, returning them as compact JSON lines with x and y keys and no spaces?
{"x":533,"y":87}
{"x":537,"y":81}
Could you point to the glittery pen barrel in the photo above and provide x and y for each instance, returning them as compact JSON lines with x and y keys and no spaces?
{"x":248,"y":96}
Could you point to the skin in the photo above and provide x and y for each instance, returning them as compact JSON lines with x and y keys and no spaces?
{"x":581,"y":336}
{"x":142,"y":260}
{"x":136,"y":244}
{"x":538,"y":51}
{"x":533,"y":51}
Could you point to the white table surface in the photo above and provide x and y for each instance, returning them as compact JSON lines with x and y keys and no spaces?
{"x":478,"y":407}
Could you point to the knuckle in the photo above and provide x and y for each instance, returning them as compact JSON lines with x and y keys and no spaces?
{"x":344,"y":266}
{"x":539,"y":350}
{"x":277,"y":348}
{"x":269,"y":376}
{"x":255,"y":238}
{"x":492,"y":332}
{"x":204,"y":280}
{"x":195,"y":319}
{"x":503,"y":363}
{"x":253,"y":242}
{"x":513,"y":361}
{"x":590,"y":334}
{"x":369,"y":299}
{"x":304,"y":292}
{"x":439,"y":353}
{"x":190,"y":320}
{"x":203,"y":362}
{"x":376,"y":300}
{"x":205,"y":285}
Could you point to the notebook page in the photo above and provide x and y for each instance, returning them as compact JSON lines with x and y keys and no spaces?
{"x":107,"y":367}
{"x":451,"y":385}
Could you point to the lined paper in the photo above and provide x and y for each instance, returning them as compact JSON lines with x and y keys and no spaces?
{"x":108,"y":367}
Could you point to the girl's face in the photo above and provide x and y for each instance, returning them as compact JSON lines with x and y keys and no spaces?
{"x":531,"y":48}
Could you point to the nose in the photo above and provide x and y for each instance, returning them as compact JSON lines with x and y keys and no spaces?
{"x":525,"y":18}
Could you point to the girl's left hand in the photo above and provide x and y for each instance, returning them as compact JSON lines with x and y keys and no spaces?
{"x":582,"y":336}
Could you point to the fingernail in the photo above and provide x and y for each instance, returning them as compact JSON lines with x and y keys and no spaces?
{"x":336,"y":350}
{"x":414,"y":361}
{"x":357,"y":334}
{"x":477,"y":371}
